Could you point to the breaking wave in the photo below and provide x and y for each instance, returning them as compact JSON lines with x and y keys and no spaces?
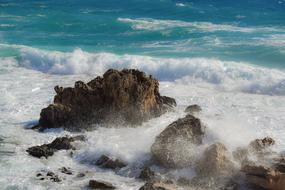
{"x":225,"y":75}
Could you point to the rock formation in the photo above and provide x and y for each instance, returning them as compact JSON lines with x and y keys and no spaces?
{"x":109,"y":163}
{"x":215,"y":161}
{"x":119,"y":96}
{"x":174,"y":147}
{"x":157,"y":186}
{"x":60,"y":143}
{"x":260,"y":176}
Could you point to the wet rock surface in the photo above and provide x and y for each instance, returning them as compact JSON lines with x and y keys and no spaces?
{"x":172,"y":147}
{"x":96,"y":184}
{"x":48,"y":175}
{"x":192,"y":109}
{"x":157,"y":186}
{"x":260,"y":176}
{"x":60,"y":143}
{"x":109,"y":163}
{"x":215,"y":161}
{"x":128,"y":96}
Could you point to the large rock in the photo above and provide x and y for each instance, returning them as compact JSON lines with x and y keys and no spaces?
{"x":119,"y":96}
{"x":264,"y":177}
{"x":60,"y":143}
{"x":215,"y":162}
{"x":259,"y":149}
{"x":176,"y":145}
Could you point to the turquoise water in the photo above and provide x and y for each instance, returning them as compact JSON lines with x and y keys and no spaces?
{"x":242,"y":31}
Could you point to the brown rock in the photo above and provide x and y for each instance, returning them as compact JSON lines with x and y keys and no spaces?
{"x":175,"y":145}
{"x":261,"y":144}
{"x":157,"y":186}
{"x":264,"y":177}
{"x":95,"y":184}
{"x":215,"y":161}
{"x":128,"y":96}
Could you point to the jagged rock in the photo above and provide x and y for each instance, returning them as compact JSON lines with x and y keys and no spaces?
{"x":174,"y":146}
{"x":193,"y":109}
{"x":46,"y":150}
{"x":39,"y":151}
{"x":258,"y":148}
{"x":261,"y":144}
{"x":157,"y":186}
{"x":95,"y":184}
{"x":215,"y":161}
{"x":128,"y":95}
{"x":264,"y":177}
{"x":147,"y":174}
{"x":108,"y":163}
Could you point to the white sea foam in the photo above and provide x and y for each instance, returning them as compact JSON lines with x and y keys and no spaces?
{"x":232,"y":118}
{"x":225,"y":75}
{"x":159,"y":25}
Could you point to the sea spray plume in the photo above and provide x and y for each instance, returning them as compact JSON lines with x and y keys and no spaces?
{"x":127,"y":96}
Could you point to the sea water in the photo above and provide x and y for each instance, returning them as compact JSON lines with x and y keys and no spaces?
{"x":226,"y":56}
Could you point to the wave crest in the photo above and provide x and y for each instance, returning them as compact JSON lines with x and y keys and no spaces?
{"x":227,"y":75}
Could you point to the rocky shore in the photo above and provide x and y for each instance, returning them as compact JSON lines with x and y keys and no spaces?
{"x":131,"y":97}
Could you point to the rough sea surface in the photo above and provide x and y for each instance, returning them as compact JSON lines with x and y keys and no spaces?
{"x":226,"y":56}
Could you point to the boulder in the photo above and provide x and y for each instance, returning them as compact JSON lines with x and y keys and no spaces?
{"x":95,"y":184}
{"x":264,"y":177}
{"x":108,"y":163}
{"x":157,"y":186}
{"x":259,"y":145}
{"x":215,"y":162}
{"x":60,"y":143}
{"x":128,"y":96}
{"x":193,"y":109}
{"x":41,"y":151}
{"x":175,"y":146}
{"x":258,"y":149}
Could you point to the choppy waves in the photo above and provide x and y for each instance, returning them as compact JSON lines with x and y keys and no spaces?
{"x":211,"y":73}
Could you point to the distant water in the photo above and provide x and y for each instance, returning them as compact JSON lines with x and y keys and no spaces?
{"x":227,"y":56}
{"x":248,"y":31}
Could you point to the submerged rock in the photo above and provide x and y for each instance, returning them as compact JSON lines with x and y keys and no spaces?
{"x":215,"y":161}
{"x":174,"y":146}
{"x":157,"y":186}
{"x":108,"y":163}
{"x":66,"y":170}
{"x":48,"y":175}
{"x":119,"y":96}
{"x":60,"y":143}
{"x":95,"y":184}
{"x":193,"y":109}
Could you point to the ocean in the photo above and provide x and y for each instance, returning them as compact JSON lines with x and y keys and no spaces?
{"x":226,"y":56}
